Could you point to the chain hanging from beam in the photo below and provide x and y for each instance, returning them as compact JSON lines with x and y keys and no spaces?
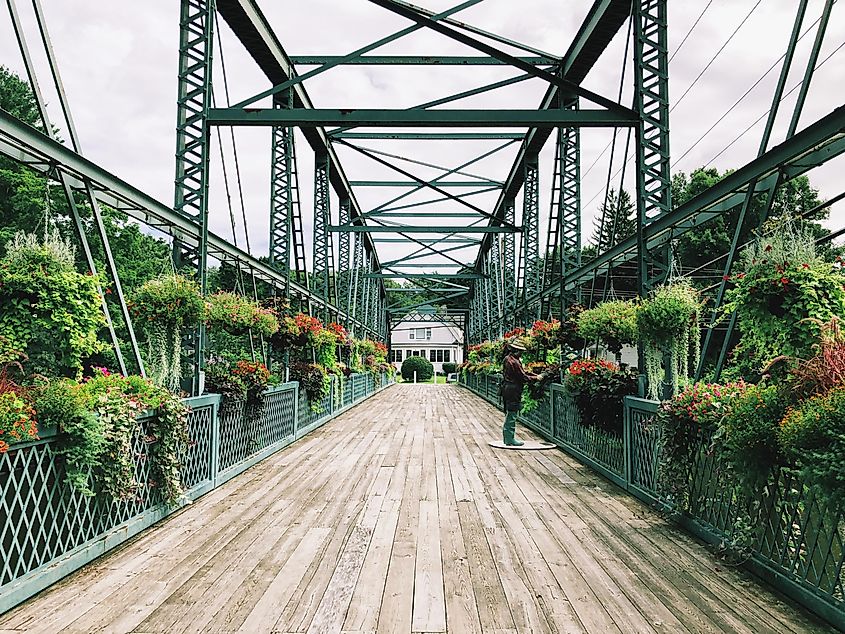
{"x":651,"y":98}
{"x":196,"y":27}
{"x":530,"y":261}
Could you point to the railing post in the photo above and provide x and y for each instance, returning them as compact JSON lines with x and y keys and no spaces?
{"x":295,"y":411}
{"x":627,"y":447}
{"x":215,"y":442}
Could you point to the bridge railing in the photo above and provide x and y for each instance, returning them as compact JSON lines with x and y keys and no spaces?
{"x":789,"y":536}
{"x":48,"y":529}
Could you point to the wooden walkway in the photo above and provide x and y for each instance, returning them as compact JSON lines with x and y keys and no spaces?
{"x":397,"y":517}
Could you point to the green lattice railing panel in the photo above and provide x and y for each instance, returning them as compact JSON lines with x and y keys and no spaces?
{"x":44,"y":519}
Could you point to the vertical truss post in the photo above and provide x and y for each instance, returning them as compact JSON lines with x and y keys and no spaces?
{"x":353,"y":292}
{"x":570,"y":208}
{"x":374,"y":297}
{"x":281,"y":198}
{"x":196,"y":27}
{"x":651,"y":99}
{"x":486,"y":314}
{"x":343,"y":272}
{"x":531,"y":236}
{"x":497,"y":280}
{"x":322,"y":250}
{"x":509,"y":266}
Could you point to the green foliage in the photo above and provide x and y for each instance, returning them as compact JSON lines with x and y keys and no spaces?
{"x":420,"y":365}
{"x":450,"y":368}
{"x":812,"y":437}
{"x":669,"y":321}
{"x":17,"y":419}
{"x":613,"y":323}
{"x":598,"y":388}
{"x":164,"y":308}
{"x":620,"y":220}
{"x":783,"y":296}
{"x":118,"y":401}
{"x":50,"y":311}
{"x":686,"y":423}
{"x":17,"y":99}
{"x":314,"y":380}
{"x":746,"y":438}
{"x":237,"y":314}
{"x":63,"y":404}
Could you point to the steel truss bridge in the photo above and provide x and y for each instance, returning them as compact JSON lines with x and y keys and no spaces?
{"x":508,"y":270}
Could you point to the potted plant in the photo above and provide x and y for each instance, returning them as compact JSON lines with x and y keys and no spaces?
{"x":668,"y":322}
{"x":239,"y":315}
{"x":164,"y":309}
{"x":614,"y":323}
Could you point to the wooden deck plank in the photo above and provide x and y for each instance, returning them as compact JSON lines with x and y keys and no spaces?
{"x":397,"y":517}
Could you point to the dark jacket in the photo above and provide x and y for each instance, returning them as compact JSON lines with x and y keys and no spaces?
{"x":514,"y":378}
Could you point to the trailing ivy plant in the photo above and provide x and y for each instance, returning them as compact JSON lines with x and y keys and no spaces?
{"x":668,"y":321}
{"x":51,"y":312}
{"x":164,"y":309}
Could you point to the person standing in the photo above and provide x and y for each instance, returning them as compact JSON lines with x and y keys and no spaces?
{"x":514,"y":378}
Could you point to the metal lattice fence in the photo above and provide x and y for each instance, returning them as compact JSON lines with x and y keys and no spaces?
{"x":795,"y":539}
{"x":47,"y":529}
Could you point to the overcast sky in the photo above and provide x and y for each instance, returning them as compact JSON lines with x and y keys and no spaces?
{"x":119,"y":68}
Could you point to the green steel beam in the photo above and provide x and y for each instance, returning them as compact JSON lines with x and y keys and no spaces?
{"x":425,"y":214}
{"x":464,"y":118}
{"x":422,"y":229}
{"x":428,"y":276}
{"x":465,"y":241}
{"x":26,"y":144}
{"x":530,"y":253}
{"x":651,"y":98}
{"x":422,"y":203}
{"x":412,"y":13}
{"x":416,"y":265}
{"x":253,"y":30}
{"x":293,"y":80}
{"x":600,"y":26}
{"x":478,"y":183}
{"x":421,"y":254}
{"x":430,"y":136}
{"x":509,"y":297}
{"x":415,"y":60}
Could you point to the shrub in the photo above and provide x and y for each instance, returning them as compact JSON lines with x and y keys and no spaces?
{"x":598,"y":388}
{"x":420,"y":365}
{"x":812,"y":436}
{"x":450,"y":368}
{"x":613,"y":323}
{"x":314,"y":380}
{"x":82,"y":434}
{"x":17,"y":420}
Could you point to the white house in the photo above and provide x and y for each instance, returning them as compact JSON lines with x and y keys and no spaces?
{"x":438,"y":341}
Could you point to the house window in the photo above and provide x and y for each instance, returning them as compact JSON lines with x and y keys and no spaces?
{"x":419,"y":333}
{"x":428,"y":334}
{"x":447,"y":356}
{"x":396,"y":356}
{"x":432,"y":356}
{"x":411,"y":335}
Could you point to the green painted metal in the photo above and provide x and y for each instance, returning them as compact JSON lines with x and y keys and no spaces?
{"x":463,"y":118}
{"x":530,"y":263}
{"x":428,"y":214}
{"x":196,"y":28}
{"x":296,"y":80}
{"x":343,"y":255}
{"x":413,"y":13}
{"x":509,"y":297}
{"x":281,"y":199}
{"x":430,"y":136}
{"x":651,"y":98}
{"x":421,"y":229}
{"x":569,"y":209}
{"x":50,"y":530}
{"x":464,"y":241}
{"x":323,"y":253}
{"x":428,"y":276}
{"x":478,"y":183}
{"x":415,"y":60}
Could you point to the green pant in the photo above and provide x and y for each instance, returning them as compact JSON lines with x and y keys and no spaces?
{"x":509,"y":428}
